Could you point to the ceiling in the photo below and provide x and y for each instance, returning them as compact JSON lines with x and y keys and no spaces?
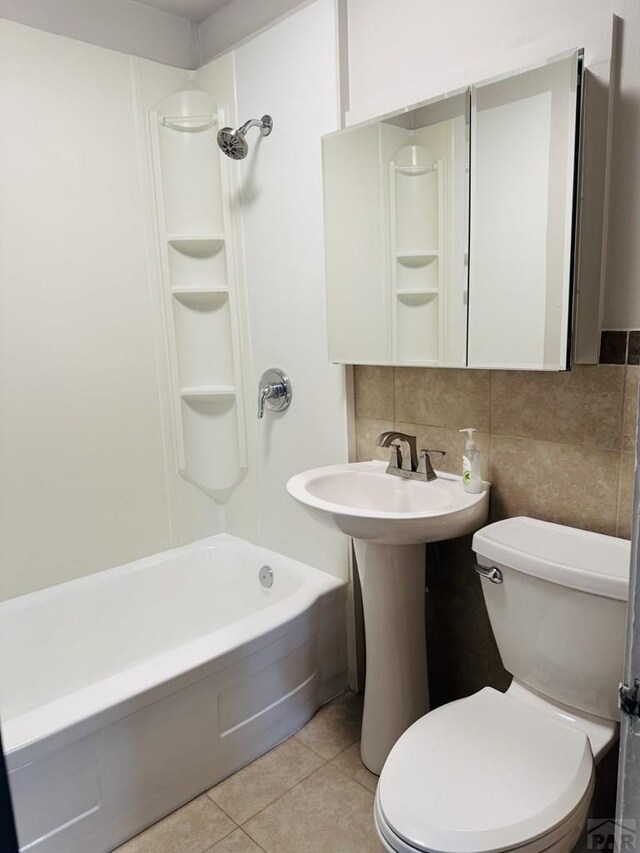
{"x":194,"y":10}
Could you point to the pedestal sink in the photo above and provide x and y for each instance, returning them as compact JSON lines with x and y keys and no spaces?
{"x":390,"y":520}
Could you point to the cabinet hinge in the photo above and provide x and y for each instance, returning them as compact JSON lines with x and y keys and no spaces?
{"x":629,"y":698}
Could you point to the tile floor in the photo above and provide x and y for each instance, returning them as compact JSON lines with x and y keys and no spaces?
{"x":311,"y":793}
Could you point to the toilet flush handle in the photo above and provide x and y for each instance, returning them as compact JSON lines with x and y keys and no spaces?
{"x":492,"y":573}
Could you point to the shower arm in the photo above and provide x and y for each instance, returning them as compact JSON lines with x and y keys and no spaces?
{"x":265,"y":124}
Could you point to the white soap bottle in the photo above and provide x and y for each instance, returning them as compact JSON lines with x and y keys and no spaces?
{"x":471,"y":472}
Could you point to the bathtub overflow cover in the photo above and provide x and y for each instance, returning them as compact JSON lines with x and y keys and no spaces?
{"x":265,"y":576}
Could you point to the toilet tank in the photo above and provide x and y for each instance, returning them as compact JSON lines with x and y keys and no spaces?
{"x":559,"y":614}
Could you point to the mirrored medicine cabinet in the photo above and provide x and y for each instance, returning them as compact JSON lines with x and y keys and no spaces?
{"x":450,"y":227}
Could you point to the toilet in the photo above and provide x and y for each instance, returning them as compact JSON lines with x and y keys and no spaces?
{"x":516,"y":770}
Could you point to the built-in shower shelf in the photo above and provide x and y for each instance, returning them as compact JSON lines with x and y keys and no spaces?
{"x":207,"y":393}
{"x":416,"y":297}
{"x":417,"y":258}
{"x":189,"y":124}
{"x":200,"y":295}
{"x":200,"y":244}
{"x":416,"y":169}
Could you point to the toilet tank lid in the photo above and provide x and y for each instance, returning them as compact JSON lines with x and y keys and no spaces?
{"x":579,"y":559}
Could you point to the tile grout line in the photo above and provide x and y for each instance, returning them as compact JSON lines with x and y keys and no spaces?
{"x":206,"y":793}
{"x":264,"y":808}
{"x":325,"y":762}
{"x":353,"y":778}
{"x":304,"y":778}
{"x":215,"y":844}
{"x":491,"y":435}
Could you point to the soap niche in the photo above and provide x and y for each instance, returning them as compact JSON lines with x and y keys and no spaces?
{"x":209,"y":422}
{"x":197,"y":264}
{"x":204,"y":349}
{"x":200,"y":289}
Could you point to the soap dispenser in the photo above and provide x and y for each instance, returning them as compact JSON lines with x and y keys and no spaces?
{"x":471,"y":473}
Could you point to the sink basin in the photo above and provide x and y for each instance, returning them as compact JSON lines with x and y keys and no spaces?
{"x":390,"y":520}
{"x":361,"y":500}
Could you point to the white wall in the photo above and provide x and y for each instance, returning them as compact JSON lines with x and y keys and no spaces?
{"x":236,"y":21}
{"x":289,"y":71}
{"x":123,"y":25}
{"x":134,"y":27}
{"x":84,"y":461}
{"x":406,"y":51}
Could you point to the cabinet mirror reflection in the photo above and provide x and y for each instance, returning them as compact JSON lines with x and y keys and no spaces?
{"x":412,"y":278}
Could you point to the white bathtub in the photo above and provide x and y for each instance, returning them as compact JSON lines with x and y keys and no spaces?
{"x":128,"y":692}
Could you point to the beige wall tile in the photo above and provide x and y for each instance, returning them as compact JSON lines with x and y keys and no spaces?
{"x":367,"y":430}
{"x":373,"y":392}
{"x":443,"y":397}
{"x":249,"y":790}
{"x":630,"y":408}
{"x":451,"y":441}
{"x":625,"y":495}
{"x":564,"y":483}
{"x":581,"y":406}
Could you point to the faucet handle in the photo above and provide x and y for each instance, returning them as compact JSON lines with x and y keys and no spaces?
{"x":274,"y":391}
{"x":425,"y":467}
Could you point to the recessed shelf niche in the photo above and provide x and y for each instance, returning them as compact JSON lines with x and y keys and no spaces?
{"x":200,"y":288}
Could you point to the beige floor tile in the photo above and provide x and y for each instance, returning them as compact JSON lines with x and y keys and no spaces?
{"x":374,"y":392}
{"x":255,"y":786}
{"x":327,"y":813}
{"x":237,"y":842}
{"x":350,"y":763}
{"x":335,"y":727}
{"x":192,"y":829}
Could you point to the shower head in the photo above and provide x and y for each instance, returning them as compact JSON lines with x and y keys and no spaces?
{"x":233,"y":143}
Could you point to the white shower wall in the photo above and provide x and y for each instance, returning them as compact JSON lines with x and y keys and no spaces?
{"x":290,"y":72}
{"x":88,"y":445}
{"x":85,"y":484}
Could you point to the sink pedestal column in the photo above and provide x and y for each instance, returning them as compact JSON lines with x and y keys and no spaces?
{"x":396,"y":689}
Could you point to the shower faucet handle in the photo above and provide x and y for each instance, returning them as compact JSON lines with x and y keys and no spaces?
{"x":274,"y":391}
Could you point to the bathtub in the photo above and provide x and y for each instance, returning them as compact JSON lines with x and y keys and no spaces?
{"x":128,"y":692}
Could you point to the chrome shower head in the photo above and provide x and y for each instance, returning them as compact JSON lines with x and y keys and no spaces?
{"x":233,"y":143}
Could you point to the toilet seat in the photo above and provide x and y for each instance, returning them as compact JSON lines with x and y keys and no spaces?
{"x":486,"y":773}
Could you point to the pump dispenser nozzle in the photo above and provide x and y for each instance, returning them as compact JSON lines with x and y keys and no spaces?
{"x":471,"y":476}
{"x":471,"y":441}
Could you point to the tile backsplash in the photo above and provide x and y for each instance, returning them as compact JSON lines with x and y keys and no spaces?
{"x":556,"y":446}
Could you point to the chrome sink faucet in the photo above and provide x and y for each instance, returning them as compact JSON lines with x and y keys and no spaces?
{"x":416,"y":469}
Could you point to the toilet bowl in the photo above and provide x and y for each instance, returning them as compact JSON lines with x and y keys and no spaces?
{"x":516,"y":770}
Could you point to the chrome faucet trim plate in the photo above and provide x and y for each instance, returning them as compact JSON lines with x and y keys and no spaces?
{"x":274,"y":391}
